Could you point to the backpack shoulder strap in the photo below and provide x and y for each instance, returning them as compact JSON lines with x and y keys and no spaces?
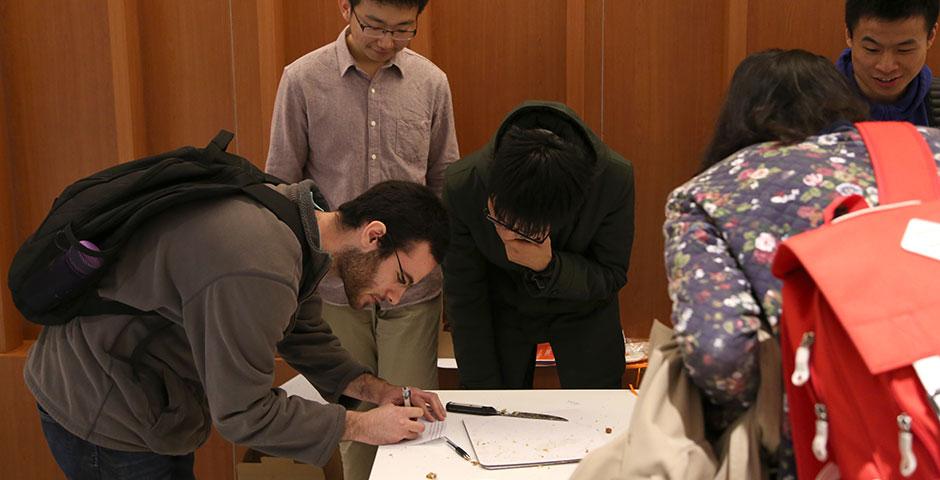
{"x":286,"y":211}
{"x":933,"y":102}
{"x":904,"y":165}
{"x":220,"y":142}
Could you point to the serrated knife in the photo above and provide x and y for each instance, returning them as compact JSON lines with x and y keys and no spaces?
{"x":491,"y":411}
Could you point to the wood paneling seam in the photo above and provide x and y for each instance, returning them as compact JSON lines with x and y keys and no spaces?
{"x":603,"y":131}
{"x":231,"y":35}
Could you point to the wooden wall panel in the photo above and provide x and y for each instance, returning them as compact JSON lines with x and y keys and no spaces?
{"x":497,"y":54}
{"x":130,"y":123}
{"x":308,"y":25}
{"x":735,"y":35}
{"x":23,"y":449}
{"x":583,"y":60}
{"x":187,"y":71}
{"x":252,"y":119}
{"x":60,"y":102}
{"x":60,"y":98}
{"x":215,"y":459}
{"x":662,"y":88}
{"x":593,"y":64}
{"x":815,"y":26}
{"x":271,"y":61}
{"x":11,"y":324}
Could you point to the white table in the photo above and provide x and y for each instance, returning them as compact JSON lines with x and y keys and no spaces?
{"x":597,"y":408}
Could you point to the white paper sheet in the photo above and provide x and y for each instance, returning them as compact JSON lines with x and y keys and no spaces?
{"x":302,"y":388}
{"x":432,"y":431}
{"x":503,"y":442}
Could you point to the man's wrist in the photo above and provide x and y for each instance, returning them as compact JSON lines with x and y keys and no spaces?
{"x":539,"y":280}
{"x":352,"y":428}
{"x":374,"y":388}
{"x":359,"y":387}
{"x":547,"y":269}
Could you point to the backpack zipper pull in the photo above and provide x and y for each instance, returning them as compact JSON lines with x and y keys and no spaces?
{"x":822,"y":433}
{"x":906,"y":445}
{"x":801,"y":369}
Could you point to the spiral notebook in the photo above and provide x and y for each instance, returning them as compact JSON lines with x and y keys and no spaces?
{"x":505,"y":442}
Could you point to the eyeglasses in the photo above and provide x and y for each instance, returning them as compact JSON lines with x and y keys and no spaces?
{"x":402,"y":278}
{"x":379,"y":32}
{"x":495,"y":221}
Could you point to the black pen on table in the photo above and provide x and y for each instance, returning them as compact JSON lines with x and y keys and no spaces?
{"x":463,"y":453}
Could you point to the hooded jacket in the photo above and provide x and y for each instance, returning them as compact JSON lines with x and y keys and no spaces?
{"x":591,"y":253}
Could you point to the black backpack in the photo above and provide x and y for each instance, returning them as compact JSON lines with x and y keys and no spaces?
{"x":55,"y":273}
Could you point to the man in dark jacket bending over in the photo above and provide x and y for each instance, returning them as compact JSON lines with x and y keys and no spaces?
{"x":541,"y":232}
{"x":225,"y":275}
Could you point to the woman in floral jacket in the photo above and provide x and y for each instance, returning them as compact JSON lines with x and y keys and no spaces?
{"x":784,"y":147}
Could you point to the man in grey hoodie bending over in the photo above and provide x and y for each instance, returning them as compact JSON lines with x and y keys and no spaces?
{"x":221,"y":279}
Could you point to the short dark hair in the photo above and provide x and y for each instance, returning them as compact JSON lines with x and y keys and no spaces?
{"x":411,"y":214}
{"x":781,"y":95}
{"x":397,"y":3}
{"x":538,"y":178}
{"x":891,"y":10}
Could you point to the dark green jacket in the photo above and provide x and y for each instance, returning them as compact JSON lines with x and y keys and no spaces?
{"x":592,"y":253}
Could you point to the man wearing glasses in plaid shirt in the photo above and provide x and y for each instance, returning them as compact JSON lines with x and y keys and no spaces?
{"x":541,"y":232}
{"x":351,"y":114}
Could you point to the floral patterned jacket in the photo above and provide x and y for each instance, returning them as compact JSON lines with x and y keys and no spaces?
{"x":722,"y":229}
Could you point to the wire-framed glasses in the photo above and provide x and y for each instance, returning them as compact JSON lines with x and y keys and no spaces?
{"x":495,"y":221}
{"x":379,"y":32}
{"x":402,"y":278}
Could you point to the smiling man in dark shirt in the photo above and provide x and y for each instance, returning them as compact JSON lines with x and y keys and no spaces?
{"x":886,"y":59}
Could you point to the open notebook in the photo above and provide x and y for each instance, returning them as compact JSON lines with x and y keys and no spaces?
{"x":505,"y":442}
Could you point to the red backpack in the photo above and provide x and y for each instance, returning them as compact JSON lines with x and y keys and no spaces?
{"x":860,"y":331}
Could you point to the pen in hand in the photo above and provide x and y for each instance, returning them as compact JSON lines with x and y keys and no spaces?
{"x":406,"y":395}
{"x":457,"y":449}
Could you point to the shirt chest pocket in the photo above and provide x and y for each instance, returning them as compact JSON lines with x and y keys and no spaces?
{"x":413,"y":139}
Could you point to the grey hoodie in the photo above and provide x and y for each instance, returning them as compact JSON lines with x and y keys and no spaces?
{"x":223,"y":275}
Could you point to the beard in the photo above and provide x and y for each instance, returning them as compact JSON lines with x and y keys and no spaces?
{"x":357,"y":271}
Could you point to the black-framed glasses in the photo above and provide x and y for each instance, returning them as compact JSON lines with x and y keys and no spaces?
{"x":495,"y":221}
{"x":379,"y":32}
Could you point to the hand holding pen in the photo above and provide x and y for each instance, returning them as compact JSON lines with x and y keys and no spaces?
{"x":406,"y":400}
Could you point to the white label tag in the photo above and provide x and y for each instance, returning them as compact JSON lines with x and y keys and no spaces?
{"x":928,"y":371}
{"x":923,"y":238}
